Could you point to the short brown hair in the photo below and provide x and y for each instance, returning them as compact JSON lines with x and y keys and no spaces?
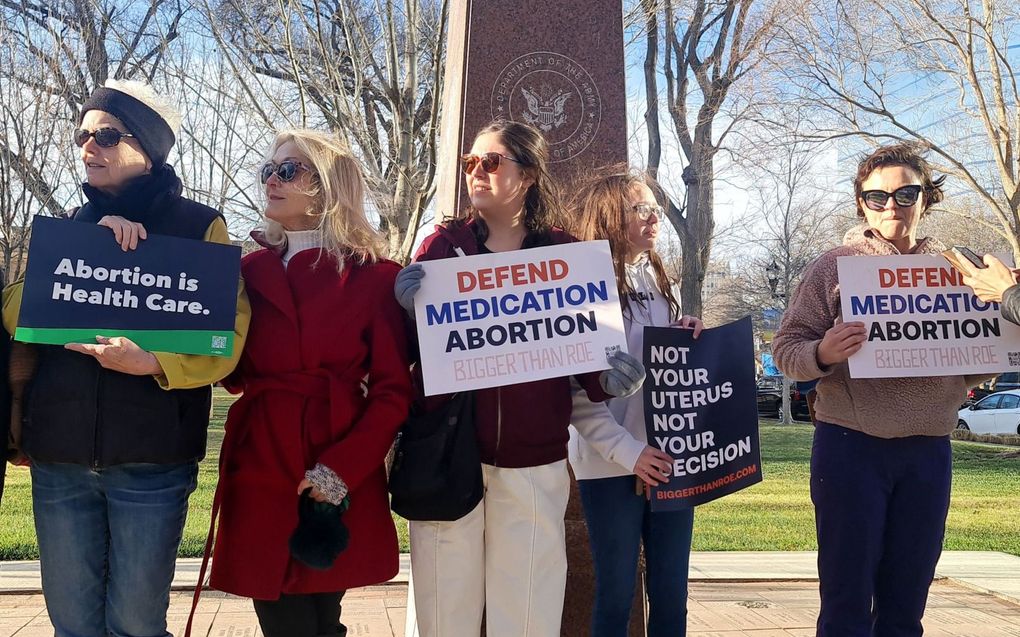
{"x":901,"y":154}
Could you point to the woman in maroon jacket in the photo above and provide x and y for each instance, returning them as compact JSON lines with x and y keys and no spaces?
{"x":507,"y":555}
{"x":325,"y":383}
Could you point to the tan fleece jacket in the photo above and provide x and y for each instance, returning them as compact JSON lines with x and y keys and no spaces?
{"x":881,"y":407}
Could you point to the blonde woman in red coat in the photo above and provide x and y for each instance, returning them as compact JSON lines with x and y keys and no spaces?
{"x":325,"y":384}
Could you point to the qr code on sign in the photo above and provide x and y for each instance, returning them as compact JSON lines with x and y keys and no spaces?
{"x":1014,"y":359}
{"x":219,"y":342}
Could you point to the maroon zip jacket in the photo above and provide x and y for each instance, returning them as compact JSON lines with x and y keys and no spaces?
{"x":522,"y":425}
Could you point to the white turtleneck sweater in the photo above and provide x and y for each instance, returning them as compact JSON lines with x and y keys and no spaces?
{"x":298,"y":240}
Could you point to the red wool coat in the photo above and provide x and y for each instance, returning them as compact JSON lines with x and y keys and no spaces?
{"x":314,"y":337}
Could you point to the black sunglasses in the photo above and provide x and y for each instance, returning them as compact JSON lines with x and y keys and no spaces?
{"x":904,"y":196}
{"x":285,"y":171}
{"x":489,"y":161}
{"x":105,"y":137}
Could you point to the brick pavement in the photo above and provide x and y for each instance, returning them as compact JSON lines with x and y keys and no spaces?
{"x":717,"y":609}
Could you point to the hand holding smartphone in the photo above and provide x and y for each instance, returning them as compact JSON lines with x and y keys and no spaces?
{"x":964,"y":259}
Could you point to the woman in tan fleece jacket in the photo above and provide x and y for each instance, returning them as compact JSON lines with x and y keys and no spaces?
{"x":881,"y":464}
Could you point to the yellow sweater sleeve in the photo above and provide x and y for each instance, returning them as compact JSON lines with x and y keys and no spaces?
{"x":12,"y":305}
{"x":184,"y":371}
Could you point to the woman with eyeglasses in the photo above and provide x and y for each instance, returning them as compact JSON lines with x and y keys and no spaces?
{"x":620,"y":207}
{"x":114,"y":433}
{"x":508,"y":555}
{"x":881,"y":463}
{"x":325,"y":386}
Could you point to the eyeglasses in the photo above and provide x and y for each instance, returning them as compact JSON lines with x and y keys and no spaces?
{"x":905,"y":196}
{"x":645,"y":210}
{"x":105,"y":137}
{"x":489,"y":161}
{"x":285,"y":171}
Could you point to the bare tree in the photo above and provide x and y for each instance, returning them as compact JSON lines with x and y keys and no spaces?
{"x":795,"y":217}
{"x":367,"y":69}
{"x":223,"y":135}
{"x":939,"y":72}
{"x":31,"y":166}
{"x":963,"y":219}
{"x":69,"y":47}
{"x":708,"y":47}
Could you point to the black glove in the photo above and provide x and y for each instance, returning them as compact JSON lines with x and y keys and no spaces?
{"x":320,"y":535}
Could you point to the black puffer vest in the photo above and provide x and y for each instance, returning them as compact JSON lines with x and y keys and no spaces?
{"x":80,"y":413}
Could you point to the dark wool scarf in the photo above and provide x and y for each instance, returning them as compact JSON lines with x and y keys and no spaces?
{"x":139,"y":199}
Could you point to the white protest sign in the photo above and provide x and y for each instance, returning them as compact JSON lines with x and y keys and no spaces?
{"x":519,"y":316}
{"x":922,"y":320}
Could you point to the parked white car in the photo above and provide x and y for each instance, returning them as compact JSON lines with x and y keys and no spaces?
{"x":997,"y":413}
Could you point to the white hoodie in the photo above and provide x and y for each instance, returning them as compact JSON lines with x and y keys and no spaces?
{"x":602,"y":451}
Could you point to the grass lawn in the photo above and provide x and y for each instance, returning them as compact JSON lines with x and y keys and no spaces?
{"x":775,"y":515}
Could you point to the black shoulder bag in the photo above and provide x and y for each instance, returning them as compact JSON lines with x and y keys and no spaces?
{"x":437,"y":472}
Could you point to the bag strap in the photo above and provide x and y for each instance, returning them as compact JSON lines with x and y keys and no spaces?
{"x":205,"y":559}
{"x":210,"y":537}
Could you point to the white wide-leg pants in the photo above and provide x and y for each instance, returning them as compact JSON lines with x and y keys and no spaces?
{"x":507,"y":556}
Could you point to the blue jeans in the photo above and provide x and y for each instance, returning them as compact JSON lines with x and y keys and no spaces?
{"x":880,"y":515}
{"x":108,"y":541}
{"x":618,"y":522}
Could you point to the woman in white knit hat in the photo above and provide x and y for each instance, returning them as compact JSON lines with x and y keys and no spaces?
{"x":114,"y":433}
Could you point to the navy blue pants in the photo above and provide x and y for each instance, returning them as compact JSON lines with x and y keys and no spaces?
{"x":880,"y":516}
{"x":619,"y":521}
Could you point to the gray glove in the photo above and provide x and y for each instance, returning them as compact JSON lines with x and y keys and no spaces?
{"x":625,"y":377}
{"x":407,"y":285}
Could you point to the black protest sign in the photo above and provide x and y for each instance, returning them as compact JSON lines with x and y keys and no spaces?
{"x":701,"y":409}
{"x":168,"y":295}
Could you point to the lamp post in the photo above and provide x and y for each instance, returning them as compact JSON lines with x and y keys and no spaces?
{"x":772,"y":272}
{"x":772,"y":275}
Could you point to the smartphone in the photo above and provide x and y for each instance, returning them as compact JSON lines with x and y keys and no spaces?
{"x":958,"y":255}
{"x":971,"y":256}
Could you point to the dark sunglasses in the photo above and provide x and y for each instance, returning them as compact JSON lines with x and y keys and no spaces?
{"x":904,"y":196}
{"x":105,"y":137}
{"x":645,"y":210}
{"x":489,"y":161}
{"x":285,"y":171}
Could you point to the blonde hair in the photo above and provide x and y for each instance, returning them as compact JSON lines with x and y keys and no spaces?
{"x":145,"y":94}
{"x":338,"y":191}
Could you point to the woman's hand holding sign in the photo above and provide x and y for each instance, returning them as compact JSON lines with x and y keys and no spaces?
{"x":127,"y":233}
{"x":625,"y":376}
{"x":120,"y":355}
{"x":653,"y":466}
{"x":407,"y":285}
{"x":841,"y":341}
{"x":689,"y":323}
